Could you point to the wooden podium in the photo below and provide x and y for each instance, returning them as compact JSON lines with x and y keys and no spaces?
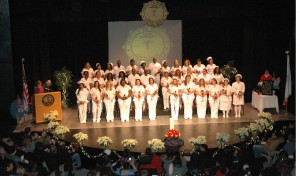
{"x":44,"y":103}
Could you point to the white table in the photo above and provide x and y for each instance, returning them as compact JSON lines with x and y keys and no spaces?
{"x":261,"y":102}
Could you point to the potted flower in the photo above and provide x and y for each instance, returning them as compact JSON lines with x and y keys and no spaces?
{"x":222,"y":138}
{"x":80,"y":137}
{"x":156,"y":144}
{"x":129,"y":143}
{"x":51,"y":116}
{"x":52,"y":126}
{"x":172,"y":140}
{"x":242,"y":133}
{"x":61,"y":131}
{"x":196,"y":142}
{"x":104,"y":141}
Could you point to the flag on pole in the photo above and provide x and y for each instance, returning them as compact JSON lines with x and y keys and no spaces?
{"x":25,"y":94}
{"x":288,"y":83}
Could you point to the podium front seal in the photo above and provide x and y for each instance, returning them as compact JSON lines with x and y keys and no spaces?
{"x":48,"y":100}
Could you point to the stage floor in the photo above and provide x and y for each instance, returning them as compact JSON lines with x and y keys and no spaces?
{"x":147,"y":130}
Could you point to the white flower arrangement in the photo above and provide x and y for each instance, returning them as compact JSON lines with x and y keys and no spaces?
{"x":242,"y":133}
{"x":265,"y":115}
{"x":104,"y":141}
{"x":129,"y":143}
{"x":198,"y":141}
{"x":80,"y":136}
{"x":61,"y":130}
{"x":255,"y":128}
{"x":222,"y":138}
{"x":156,"y":144}
{"x":259,"y":84}
{"x":51,"y":116}
{"x":52,"y":125}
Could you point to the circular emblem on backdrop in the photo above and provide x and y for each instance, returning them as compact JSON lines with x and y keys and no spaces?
{"x":154,"y":13}
{"x":147,"y":42}
{"x":48,"y":100}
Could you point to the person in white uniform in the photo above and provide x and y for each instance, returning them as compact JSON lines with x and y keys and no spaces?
{"x":130,"y":66}
{"x":225,"y":98}
{"x":155,"y":70}
{"x":138,"y":92}
{"x":99,"y":79}
{"x":205,"y":76}
{"x":197,"y":70}
{"x":175,"y":67}
{"x":89,"y":69}
{"x":110,"y":69}
{"x":132,"y":77}
{"x":174,"y":91}
{"x":82,"y":100}
{"x":214,"y":100}
{"x":145,"y":78}
{"x":165,"y":66}
{"x":86,"y":80}
{"x":218,"y":75}
{"x":186,"y":65}
{"x":187,"y":91}
{"x":143,"y":67}
{"x":121,"y":76}
{"x":109,"y":94}
{"x":118,"y":68}
{"x":210,"y":66}
{"x":98,"y":66}
{"x":124,"y":92}
{"x":238,"y":90}
{"x":189,"y":71}
{"x":96,"y":102}
{"x":109,"y":78}
{"x":201,"y":98}
{"x":152,"y":96}
{"x":165,"y":82}
{"x":178,"y":76}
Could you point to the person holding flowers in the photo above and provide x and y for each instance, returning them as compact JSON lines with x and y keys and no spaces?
{"x":82,"y":94}
{"x":201,"y":98}
{"x":214,"y":93}
{"x":238,"y":89}
{"x":152,"y":96}
{"x":225,"y":98}
{"x":174,"y":90}
{"x":187,"y":90}
{"x":96,"y":102}
{"x":123,"y":93}
{"x":165,"y":82}
{"x":109,"y":94}
{"x":138,"y":91}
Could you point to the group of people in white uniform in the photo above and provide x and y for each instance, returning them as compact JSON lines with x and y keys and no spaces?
{"x":137,"y":88}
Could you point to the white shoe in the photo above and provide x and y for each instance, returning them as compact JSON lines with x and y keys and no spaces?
{"x":223,"y":115}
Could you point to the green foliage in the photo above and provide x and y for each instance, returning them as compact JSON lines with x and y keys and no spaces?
{"x":63,"y":80}
{"x":228,"y":70}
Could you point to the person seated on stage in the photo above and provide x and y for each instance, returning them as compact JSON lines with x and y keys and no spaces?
{"x":86,"y":80}
{"x":165,"y":67}
{"x":192,"y":75}
{"x":198,"y":67}
{"x":143,"y":67}
{"x":121,"y":76}
{"x":89,"y":69}
{"x":210,"y":66}
{"x":150,"y":161}
{"x":205,"y":76}
{"x":186,"y":65}
{"x":47,"y":86}
{"x":118,"y":68}
{"x":110,"y":69}
{"x":98,"y":66}
{"x":218,"y":75}
{"x":130,"y":66}
{"x":175,"y":67}
{"x":175,"y":167}
{"x":38,"y":87}
{"x":266,"y":76}
{"x":98,"y":77}
{"x":132,"y":77}
{"x":145,"y":78}
{"x":165,"y":82}
{"x":123,"y":92}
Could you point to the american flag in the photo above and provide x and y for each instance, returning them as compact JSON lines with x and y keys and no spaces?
{"x":25,"y":94}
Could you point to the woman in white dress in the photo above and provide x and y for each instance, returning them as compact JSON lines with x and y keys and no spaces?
{"x":198,"y":67}
{"x":152,"y":95}
{"x":109,"y":94}
{"x":210,"y":66}
{"x":143,"y":68}
{"x":178,"y":75}
{"x":187,"y":91}
{"x":123,"y":93}
{"x":225,"y":98}
{"x":138,"y":92}
{"x":201,"y":92}
{"x":89,"y":69}
{"x":186,"y":65}
{"x":238,"y":89}
{"x":218,"y":75}
{"x":110,"y":69}
{"x":98,"y":66}
{"x":174,"y":91}
{"x":175,"y":67}
{"x":214,"y":100}
{"x":99,"y":79}
{"x":121,"y":76}
{"x":165,"y":66}
{"x":165,"y":82}
{"x":82,"y":94}
{"x":96,"y":102}
{"x":109,"y":78}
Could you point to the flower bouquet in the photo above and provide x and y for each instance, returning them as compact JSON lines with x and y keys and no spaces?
{"x":104,"y":141}
{"x":52,"y":125}
{"x":172,"y":140}
{"x":80,"y":137}
{"x":268,"y":121}
{"x":51,"y":116}
{"x":222,"y":138}
{"x":196,"y":142}
{"x":242,"y":133}
{"x":156,"y":144}
{"x":61,"y":130}
{"x":129,"y":143}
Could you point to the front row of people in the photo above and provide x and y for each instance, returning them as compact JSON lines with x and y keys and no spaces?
{"x":217,"y":97}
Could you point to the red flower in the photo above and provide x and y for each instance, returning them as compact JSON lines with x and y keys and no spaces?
{"x":172,"y":134}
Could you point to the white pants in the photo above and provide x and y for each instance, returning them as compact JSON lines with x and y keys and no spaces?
{"x":188,"y":105}
{"x":174,"y":107}
{"x":97,"y":109}
{"x":109,"y":106}
{"x":152,"y":101}
{"x":138,"y":109}
{"x":82,"y":108}
{"x":166,"y":97}
{"x":214,"y":107}
{"x":157,"y":80}
{"x":124,"y":109}
{"x":201,"y":106}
